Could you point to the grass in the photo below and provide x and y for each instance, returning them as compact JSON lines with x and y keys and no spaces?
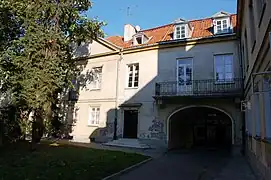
{"x":62,"y":162}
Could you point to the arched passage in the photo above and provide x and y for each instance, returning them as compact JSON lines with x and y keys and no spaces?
{"x":199,"y":126}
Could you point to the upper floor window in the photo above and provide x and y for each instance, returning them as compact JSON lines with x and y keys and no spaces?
{"x":133,"y":75}
{"x":96,"y":78}
{"x":140,"y":38}
{"x":94,"y":116}
{"x":224,"y":67}
{"x":180,"y":32}
{"x":222,"y":26}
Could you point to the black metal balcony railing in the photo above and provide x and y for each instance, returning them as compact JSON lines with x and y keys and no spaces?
{"x":209,"y":87}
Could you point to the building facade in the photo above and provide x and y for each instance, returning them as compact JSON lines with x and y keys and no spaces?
{"x":254,"y":22}
{"x":177,"y":85}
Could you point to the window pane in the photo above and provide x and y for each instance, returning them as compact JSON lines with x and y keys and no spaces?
{"x":181,"y":71}
{"x":219,"y":69}
{"x":228,"y":59}
{"x":218,"y":22}
{"x":219,"y":60}
{"x":136,"y":84}
{"x":136,"y":67}
{"x":220,"y":76}
{"x":131,"y":68}
{"x":228,"y":68}
{"x":229,"y":76}
{"x":136,"y":78}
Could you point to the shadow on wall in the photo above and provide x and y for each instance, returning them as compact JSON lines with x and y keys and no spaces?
{"x":65,"y":112}
{"x":151,"y":124}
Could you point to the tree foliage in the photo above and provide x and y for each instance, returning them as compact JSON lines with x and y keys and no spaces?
{"x":36,"y":49}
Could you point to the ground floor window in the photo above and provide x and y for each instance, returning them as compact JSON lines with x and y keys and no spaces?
{"x":94,"y":116}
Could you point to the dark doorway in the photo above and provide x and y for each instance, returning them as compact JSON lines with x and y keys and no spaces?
{"x":200,"y":127}
{"x":130,"y":123}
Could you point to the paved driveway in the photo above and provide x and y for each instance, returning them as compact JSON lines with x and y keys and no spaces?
{"x":197,"y":165}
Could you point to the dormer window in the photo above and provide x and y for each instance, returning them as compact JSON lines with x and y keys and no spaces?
{"x":140,"y":38}
{"x":222,"y":26}
{"x":182,"y":29}
{"x":180,"y":32}
{"x":222,"y":22}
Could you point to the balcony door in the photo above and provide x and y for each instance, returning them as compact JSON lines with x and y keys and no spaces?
{"x":184,"y":75}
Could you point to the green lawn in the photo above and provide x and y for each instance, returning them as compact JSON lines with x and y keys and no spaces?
{"x":62,"y":162}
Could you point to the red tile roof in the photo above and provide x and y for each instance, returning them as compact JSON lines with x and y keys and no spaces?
{"x":201,"y":28}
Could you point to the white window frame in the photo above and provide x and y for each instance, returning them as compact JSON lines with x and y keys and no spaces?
{"x":232,"y":69}
{"x":96,"y":83}
{"x":227,"y":30}
{"x":180,"y":31}
{"x":133,"y":75}
{"x":96,"y":111}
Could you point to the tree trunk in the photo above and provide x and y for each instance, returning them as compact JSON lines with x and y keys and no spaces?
{"x":37,"y":128}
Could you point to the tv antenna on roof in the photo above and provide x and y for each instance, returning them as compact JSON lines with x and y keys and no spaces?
{"x":128,"y":10}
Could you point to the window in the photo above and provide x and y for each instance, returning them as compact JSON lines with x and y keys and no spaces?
{"x":180,"y":32}
{"x":133,"y":75}
{"x":222,"y":26}
{"x":96,"y":78}
{"x":224,"y":68}
{"x":139,"y":40}
{"x":94,"y":116}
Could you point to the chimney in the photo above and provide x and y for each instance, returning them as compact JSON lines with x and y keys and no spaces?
{"x":129,"y":31}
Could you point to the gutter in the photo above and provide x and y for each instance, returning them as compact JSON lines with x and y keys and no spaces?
{"x":243,"y":150}
{"x":180,"y":41}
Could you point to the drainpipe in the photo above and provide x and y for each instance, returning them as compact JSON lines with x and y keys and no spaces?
{"x":117,"y":95}
{"x":243,"y":150}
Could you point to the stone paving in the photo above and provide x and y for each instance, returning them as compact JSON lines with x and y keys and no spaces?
{"x":193,"y":165}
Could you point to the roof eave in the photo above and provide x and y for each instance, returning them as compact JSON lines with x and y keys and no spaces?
{"x":180,"y":40}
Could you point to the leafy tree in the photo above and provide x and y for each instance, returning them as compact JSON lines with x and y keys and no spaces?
{"x":37,"y":52}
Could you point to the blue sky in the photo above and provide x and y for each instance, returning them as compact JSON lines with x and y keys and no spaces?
{"x":152,"y":13}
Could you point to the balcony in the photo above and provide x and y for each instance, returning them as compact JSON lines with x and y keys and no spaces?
{"x":199,"y":88}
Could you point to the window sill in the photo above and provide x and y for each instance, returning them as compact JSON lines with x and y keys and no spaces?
{"x":92,"y":125}
{"x":262,"y":13}
{"x":253,"y":46}
{"x":225,"y":82}
{"x":130,"y":88}
{"x":95,"y":89}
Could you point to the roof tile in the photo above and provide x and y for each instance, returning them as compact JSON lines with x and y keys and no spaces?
{"x":201,"y":28}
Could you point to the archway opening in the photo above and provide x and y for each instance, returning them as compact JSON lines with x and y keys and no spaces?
{"x":199,"y":127}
